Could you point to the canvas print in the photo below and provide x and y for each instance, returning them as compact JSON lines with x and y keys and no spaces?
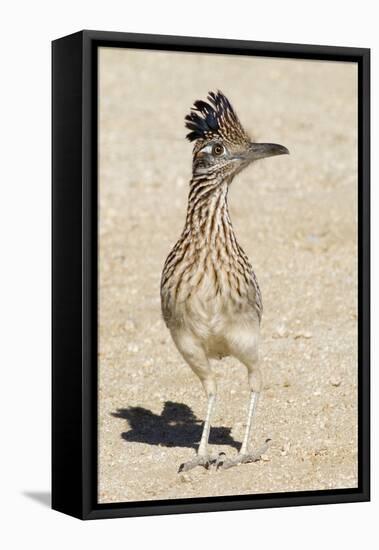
{"x":227,"y":275}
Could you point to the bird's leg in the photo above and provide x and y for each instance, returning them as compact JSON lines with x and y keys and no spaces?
{"x":203,"y":447}
{"x":203,"y":458}
{"x":254,"y":396}
{"x":202,"y":368}
{"x":244,"y":456}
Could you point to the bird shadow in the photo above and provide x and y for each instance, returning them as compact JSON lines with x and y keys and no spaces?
{"x":176,"y":426}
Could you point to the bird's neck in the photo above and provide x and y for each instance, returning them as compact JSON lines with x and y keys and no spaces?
{"x":207,"y":212}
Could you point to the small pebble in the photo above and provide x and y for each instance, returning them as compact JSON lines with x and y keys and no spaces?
{"x":321,"y":452}
{"x":133,"y":348}
{"x":129,"y":325}
{"x":185,"y":478}
{"x":303,"y":334}
{"x":280,"y":332}
{"x":285,"y":449}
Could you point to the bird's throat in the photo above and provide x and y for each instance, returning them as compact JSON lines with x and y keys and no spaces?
{"x":207,"y":213}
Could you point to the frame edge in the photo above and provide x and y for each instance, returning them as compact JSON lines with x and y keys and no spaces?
{"x":67,"y":422}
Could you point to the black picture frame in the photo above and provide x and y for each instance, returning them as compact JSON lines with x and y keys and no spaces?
{"x":74,"y":273}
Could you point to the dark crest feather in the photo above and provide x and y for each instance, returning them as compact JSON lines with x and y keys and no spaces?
{"x":204,"y":118}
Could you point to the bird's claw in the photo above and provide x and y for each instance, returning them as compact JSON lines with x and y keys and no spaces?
{"x":220,"y":460}
{"x":240,"y":459}
{"x":245,"y":458}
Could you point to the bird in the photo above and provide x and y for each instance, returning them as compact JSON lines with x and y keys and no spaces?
{"x":210,"y":298}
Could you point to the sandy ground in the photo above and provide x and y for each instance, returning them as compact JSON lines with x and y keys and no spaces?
{"x":296,"y":219}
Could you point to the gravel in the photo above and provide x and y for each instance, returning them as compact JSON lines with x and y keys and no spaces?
{"x":295,"y":216}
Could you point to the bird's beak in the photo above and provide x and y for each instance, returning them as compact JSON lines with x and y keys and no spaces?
{"x":262,"y":150}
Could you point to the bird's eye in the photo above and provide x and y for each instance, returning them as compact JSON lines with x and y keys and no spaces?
{"x":218,"y":149}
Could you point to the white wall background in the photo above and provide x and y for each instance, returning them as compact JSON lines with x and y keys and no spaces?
{"x":27,"y":29}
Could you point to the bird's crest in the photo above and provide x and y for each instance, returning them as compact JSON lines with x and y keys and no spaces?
{"x":215,"y":119}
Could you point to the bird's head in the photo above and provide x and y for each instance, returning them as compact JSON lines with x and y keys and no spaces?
{"x":222,"y":146}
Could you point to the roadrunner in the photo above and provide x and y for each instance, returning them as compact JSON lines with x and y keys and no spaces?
{"x":211,"y":301}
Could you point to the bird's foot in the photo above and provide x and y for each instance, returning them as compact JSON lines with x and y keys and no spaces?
{"x":242,"y":458}
{"x":200,"y":460}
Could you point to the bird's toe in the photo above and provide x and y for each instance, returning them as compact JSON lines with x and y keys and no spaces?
{"x":206,"y":461}
{"x":242,"y":458}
